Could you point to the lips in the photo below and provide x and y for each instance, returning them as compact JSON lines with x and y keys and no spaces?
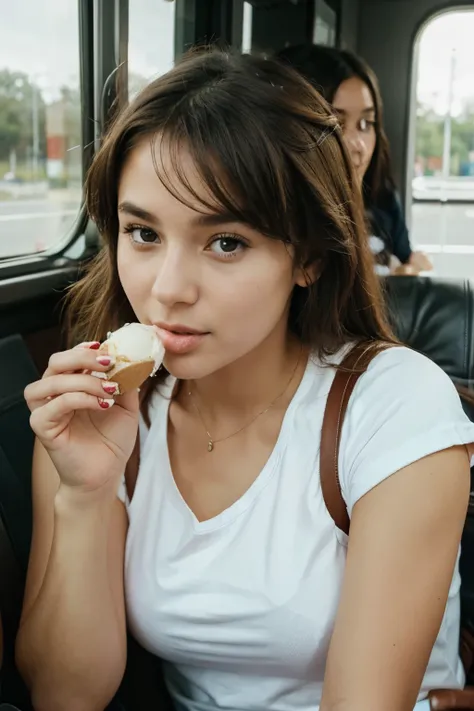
{"x":178,"y":339}
{"x":179,"y":328}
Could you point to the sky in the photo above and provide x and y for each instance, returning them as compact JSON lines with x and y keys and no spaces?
{"x":40,"y":37}
{"x":447,"y":44}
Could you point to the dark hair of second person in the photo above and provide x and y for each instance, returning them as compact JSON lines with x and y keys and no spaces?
{"x":349,"y":84}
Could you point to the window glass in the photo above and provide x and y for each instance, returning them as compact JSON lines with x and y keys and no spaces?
{"x":325,"y":24}
{"x":151,"y":44}
{"x":247,"y":29}
{"x":40,"y":124}
{"x":443,"y":167}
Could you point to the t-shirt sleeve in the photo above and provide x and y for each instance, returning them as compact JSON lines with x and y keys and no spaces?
{"x":402,"y":409}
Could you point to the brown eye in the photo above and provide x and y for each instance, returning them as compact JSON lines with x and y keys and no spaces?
{"x":142,"y":235}
{"x":227,"y":246}
{"x":366,"y":125}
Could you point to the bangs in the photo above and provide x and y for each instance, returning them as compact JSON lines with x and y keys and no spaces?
{"x":246,"y":179}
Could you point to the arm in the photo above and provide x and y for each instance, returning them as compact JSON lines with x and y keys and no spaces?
{"x":402,"y":551}
{"x":412,"y":262}
{"x":399,"y":233}
{"x":71,"y":647}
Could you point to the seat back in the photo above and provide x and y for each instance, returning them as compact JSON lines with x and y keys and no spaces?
{"x":436,"y":318}
{"x":17,"y":370}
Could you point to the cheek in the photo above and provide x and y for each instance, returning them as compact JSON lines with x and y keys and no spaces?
{"x":135,"y":274}
{"x":253,"y":300}
{"x":370,"y":147}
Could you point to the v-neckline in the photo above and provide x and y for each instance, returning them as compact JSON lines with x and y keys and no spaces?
{"x":230,"y":513}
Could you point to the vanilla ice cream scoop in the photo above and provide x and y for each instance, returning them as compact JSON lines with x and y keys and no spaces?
{"x":138,"y":353}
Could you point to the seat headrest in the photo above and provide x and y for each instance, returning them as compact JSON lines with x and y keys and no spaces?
{"x":436,"y":317}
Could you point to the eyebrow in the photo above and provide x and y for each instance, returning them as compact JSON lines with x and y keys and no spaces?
{"x":207,"y":219}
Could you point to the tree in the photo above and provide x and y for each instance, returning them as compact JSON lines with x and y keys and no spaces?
{"x":463,"y":134}
{"x":430,"y":136}
{"x":21,"y":106}
{"x":429,"y":133}
{"x":71,"y":99}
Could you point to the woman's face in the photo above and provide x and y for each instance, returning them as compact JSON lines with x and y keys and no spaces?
{"x":216,"y":288}
{"x":354,"y":105}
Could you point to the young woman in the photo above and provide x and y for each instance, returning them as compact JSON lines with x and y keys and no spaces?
{"x":224,"y":194}
{"x":351,"y":87}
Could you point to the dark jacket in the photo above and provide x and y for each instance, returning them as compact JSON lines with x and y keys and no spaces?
{"x":387,"y":222}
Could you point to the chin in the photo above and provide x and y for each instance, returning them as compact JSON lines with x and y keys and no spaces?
{"x":202,"y":363}
{"x":190,"y":366}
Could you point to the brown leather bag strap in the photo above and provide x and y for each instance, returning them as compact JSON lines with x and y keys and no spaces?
{"x":352,"y":367}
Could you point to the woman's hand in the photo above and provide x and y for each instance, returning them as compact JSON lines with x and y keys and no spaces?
{"x":87,"y":434}
{"x":420,"y":262}
{"x":404,"y":270}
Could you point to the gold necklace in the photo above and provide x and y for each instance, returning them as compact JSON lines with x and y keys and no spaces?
{"x":212,"y":442}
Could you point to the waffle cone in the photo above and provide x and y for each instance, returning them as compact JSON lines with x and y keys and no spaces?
{"x":130,"y":377}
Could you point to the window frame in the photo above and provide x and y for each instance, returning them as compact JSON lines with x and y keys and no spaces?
{"x":102,"y":28}
{"x":408,"y":200}
{"x":103,"y":48}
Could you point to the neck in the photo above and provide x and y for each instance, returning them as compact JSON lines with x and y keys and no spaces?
{"x":251,"y":383}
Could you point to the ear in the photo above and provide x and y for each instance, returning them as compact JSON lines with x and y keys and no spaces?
{"x":305,"y":276}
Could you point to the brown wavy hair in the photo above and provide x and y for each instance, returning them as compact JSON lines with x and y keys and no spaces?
{"x":269,"y":150}
{"x":327,"y":68}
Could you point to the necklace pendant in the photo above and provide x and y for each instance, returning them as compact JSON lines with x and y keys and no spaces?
{"x":210,"y":445}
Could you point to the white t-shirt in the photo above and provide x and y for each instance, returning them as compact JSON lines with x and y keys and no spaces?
{"x":242,"y":607}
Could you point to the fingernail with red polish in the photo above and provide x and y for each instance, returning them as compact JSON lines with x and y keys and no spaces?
{"x":104,"y":360}
{"x":105,"y":404}
{"x":110,"y":388}
{"x":89,"y":344}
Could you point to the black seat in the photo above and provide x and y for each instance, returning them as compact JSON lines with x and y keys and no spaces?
{"x":17,"y":370}
{"x":436,"y":318}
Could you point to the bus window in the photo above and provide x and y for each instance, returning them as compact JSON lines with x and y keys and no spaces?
{"x":443,"y":144}
{"x":151,"y":43}
{"x":40,"y":125}
{"x":247,"y":29}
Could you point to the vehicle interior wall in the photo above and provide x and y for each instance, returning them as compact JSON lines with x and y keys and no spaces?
{"x":386,"y":31}
{"x":277,"y":26}
{"x":349,"y":24}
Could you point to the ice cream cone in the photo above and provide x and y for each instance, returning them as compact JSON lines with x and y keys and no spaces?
{"x":138,"y":353}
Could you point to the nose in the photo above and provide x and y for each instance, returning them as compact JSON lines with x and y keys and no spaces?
{"x":176,"y":281}
{"x":356,"y":145}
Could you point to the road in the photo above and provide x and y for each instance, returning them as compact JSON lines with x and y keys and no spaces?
{"x":28,"y":226}
{"x":446,"y":231}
